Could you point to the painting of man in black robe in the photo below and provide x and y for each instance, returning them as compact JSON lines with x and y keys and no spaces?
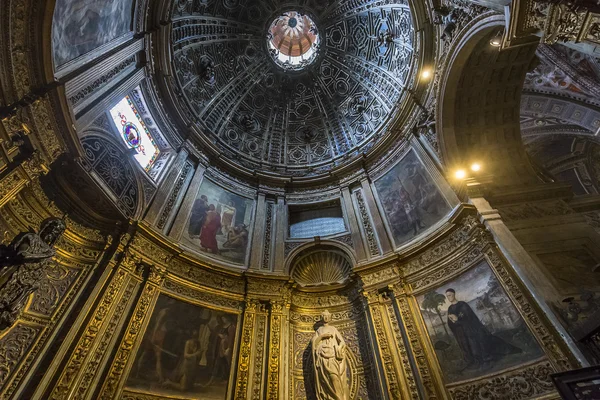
{"x":477,"y":344}
{"x":411,"y":201}
{"x":474,"y":327}
{"x":187,"y":350}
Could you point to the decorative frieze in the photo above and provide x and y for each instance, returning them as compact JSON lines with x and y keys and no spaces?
{"x":266,"y":258}
{"x":524,"y":211}
{"x":204,"y":297}
{"x":523,"y":384}
{"x":101,"y":81}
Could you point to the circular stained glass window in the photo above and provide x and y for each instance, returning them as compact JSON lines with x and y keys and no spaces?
{"x":131,"y":135}
{"x":293,"y":40}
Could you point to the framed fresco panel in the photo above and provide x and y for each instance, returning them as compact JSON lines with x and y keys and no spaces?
{"x":410,"y":199}
{"x":81,"y":26}
{"x":474,"y":327}
{"x":219,"y":223}
{"x":186,"y":352}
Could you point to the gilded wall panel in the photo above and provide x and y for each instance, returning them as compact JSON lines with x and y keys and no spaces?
{"x":182,"y":341}
{"x":60,"y":285}
{"x":52,"y":289}
{"x":349,"y":319}
{"x":14,"y":345}
{"x":479,"y":326}
{"x":109,"y":304}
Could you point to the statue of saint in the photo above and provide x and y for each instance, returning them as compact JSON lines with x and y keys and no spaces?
{"x":330,"y":362}
{"x":22,"y":266}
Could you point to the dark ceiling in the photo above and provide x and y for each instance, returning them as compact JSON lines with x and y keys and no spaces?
{"x":292,"y":121}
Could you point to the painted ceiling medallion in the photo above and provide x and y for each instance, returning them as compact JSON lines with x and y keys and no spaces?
{"x":293,"y":40}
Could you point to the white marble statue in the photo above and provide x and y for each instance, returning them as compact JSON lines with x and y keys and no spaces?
{"x":330,"y":362}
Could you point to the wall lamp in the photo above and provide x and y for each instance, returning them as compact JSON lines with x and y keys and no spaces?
{"x":462,"y":173}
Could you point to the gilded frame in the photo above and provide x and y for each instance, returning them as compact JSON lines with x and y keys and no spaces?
{"x":437,"y":179}
{"x":554,"y":358}
{"x":185,"y":291}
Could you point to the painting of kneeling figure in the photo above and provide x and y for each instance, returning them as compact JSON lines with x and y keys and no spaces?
{"x":186,"y":352}
{"x":474,"y":327}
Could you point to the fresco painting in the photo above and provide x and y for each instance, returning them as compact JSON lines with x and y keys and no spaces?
{"x":411,"y":201}
{"x":80,"y":26}
{"x":219,"y":223}
{"x":186,"y":352}
{"x":474,"y":327}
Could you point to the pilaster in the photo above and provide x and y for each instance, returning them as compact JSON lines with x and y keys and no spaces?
{"x":277,"y":362}
{"x":389,"y":379}
{"x":181,"y":219}
{"x":522,"y":263}
{"x":133,"y":334}
{"x":258,"y":233}
{"x":280,"y":234}
{"x":357,"y":242}
{"x":159,"y":210}
{"x":378,"y":226}
{"x":80,"y":375}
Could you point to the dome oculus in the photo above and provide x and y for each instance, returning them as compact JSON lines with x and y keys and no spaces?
{"x":293,"y":40}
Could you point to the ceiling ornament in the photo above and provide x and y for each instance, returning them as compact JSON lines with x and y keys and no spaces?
{"x":321,"y":268}
{"x":293,"y":41}
{"x":292,"y":91}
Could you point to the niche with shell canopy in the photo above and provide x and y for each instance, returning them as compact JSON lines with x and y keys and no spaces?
{"x":321,"y":267}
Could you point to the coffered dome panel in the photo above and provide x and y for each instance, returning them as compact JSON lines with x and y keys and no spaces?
{"x":286,"y":116}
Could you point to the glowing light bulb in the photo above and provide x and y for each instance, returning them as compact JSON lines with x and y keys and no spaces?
{"x":475,"y":167}
{"x":460,"y":174}
{"x":426,"y":74}
{"x":496,"y":41}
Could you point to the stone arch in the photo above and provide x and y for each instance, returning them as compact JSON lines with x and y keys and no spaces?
{"x":111,"y":167}
{"x":478,"y":113}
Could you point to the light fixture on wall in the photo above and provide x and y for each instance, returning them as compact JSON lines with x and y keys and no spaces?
{"x":462,"y":173}
{"x":426,"y":74}
{"x":496,"y":40}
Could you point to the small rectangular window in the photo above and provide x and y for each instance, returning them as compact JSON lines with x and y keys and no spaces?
{"x":323,"y":219}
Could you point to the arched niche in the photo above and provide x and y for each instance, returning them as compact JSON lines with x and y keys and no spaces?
{"x":321,"y":245}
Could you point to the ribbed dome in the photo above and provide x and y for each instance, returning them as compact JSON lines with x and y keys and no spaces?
{"x":321,"y":268}
{"x":285,"y":120}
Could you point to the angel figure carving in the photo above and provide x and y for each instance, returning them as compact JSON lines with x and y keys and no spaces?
{"x":330,"y":362}
{"x":22,"y":265}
